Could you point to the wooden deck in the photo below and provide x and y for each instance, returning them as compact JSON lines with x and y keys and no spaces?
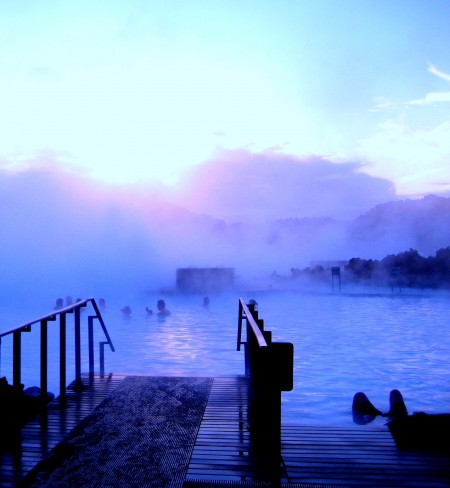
{"x":360,"y":456}
{"x":312,"y":456}
{"x":40,"y":436}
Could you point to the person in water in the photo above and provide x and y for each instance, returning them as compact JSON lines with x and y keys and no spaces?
{"x":162,"y":310}
{"x":126,"y":311}
{"x":364,"y":412}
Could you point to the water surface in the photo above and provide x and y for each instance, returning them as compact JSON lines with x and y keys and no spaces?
{"x":344,"y":343}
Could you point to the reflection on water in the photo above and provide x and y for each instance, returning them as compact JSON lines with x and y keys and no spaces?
{"x":343,"y":344}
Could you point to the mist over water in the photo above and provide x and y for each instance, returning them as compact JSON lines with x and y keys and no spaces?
{"x":65,"y":234}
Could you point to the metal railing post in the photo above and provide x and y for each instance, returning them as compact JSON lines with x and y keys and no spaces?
{"x":62,"y":357}
{"x":17,"y":353}
{"x":77,"y":313}
{"x":44,"y":359}
{"x":269,"y":367}
{"x":102,"y":358}
{"x":91,"y":344}
{"x":16,"y":334}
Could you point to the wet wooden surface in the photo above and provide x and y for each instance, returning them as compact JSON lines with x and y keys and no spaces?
{"x":311,"y":455}
{"x":223,"y":453}
{"x":42,"y":434}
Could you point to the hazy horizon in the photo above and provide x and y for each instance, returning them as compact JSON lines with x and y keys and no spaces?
{"x":66,"y":234}
{"x":121,"y":118}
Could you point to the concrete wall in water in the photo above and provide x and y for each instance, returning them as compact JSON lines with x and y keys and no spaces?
{"x":205,"y":279}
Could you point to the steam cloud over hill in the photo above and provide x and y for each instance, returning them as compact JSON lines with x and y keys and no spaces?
{"x":64,"y":234}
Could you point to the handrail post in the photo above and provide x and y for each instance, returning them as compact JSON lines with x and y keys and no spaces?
{"x":102,"y":358}
{"x":16,"y":334}
{"x":77,"y":313}
{"x":62,"y":358}
{"x":269,"y":366}
{"x":44,"y":358}
{"x":91,"y":345}
{"x":239,"y":334}
{"x":17,"y":354}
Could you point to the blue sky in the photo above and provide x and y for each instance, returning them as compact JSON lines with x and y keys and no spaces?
{"x":135,"y":91}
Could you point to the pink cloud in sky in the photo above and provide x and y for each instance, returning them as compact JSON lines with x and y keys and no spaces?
{"x":241,"y":185}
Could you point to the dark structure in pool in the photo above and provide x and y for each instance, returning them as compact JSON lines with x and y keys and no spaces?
{"x":201,"y":280}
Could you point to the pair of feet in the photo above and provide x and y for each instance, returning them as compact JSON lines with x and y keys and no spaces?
{"x":364,"y":411}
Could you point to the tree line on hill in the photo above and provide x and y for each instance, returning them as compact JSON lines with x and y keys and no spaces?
{"x":404,"y":270}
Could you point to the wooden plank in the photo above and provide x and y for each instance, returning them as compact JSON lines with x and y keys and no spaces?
{"x":42,"y":434}
{"x":224,"y":453}
{"x":361,"y":456}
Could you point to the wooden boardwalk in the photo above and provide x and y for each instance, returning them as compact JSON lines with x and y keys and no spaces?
{"x":223,"y":454}
{"x":360,"y":456}
{"x":40,"y":436}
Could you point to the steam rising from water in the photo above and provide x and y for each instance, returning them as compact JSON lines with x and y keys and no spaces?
{"x":63,"y":233}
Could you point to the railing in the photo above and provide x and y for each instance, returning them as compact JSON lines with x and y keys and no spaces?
{"x":270,"y":366}
{"x":43,"y":362}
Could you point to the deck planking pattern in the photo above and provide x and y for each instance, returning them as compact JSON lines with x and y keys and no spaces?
{"x":359,"y":456}
{"x":223,"y":454}
{"x":39,"y":436}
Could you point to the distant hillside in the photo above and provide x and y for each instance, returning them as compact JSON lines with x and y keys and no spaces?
{"x":62,"y":235}
{"x":390,"y":228}
{"x":422,"y":224}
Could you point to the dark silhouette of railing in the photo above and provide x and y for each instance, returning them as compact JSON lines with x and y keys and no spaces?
{"x":42,"y":322}
{"x":269,"y":365}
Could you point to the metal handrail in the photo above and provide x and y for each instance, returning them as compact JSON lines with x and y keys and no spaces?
{"x":246,"y":313}
{"x":269,"y":366}
{"x":69,"y":309}
{"x":62,"y":312}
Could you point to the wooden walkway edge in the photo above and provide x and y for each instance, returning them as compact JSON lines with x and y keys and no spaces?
{"x":42,"y":434}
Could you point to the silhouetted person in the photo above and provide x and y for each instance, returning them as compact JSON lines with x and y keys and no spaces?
{"x":102,"y":303}
{"x":149,"y":311}
{"x":397,"y":407}
{"x":419,"y":432}
{"x":162,"y":310}
{"x":364,"y":412}
{"x":69,"y":300}
{"x":59,"y":303}
{"x":206,"y":302}
{"x":126,"y":311}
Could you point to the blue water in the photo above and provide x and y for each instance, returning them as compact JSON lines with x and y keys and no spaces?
{"x":344,"y":343}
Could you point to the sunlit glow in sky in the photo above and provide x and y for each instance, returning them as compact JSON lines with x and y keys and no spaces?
{"x":134,"y":91}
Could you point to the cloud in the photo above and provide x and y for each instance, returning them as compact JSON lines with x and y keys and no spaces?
{"x":413,"y":155}
{"x":415,"y":158}
{"x":432,"y":98}
{"x":64,"y":234}
{"x":435,"y":71}
{"x":244,"y":186}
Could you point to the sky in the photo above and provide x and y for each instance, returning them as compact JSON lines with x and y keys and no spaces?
{"x":141,"y":136}
{"x":156,"y":92}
